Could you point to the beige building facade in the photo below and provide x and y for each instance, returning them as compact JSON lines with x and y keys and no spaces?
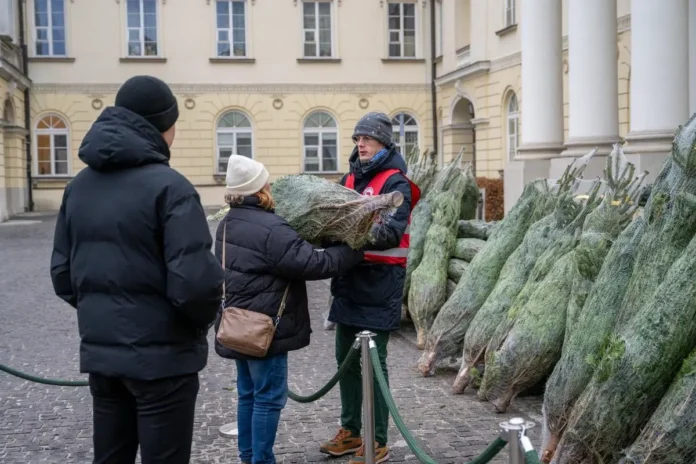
{"x":523,"y":85}
{"x":532,"y":84}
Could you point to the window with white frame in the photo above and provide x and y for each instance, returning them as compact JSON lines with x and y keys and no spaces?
{"x":49,"y":27}
{"x":231,"y":28}
{"x":509,"y":12}
{"x":52,"y":147}
{"x":513,"y":125}
{"x":402,"y":30}
{"x":320,"y":137}
{"x":405,"y":133}
{"x":234,"y":137}
{"x":142,"y":27}
{"x":316,"y":19}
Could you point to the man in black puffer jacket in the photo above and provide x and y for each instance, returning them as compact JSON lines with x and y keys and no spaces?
{"x":369,"y":296}
{"x":132,"y":252}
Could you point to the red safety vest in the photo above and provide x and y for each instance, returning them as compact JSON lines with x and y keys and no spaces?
{"x":396,"y":256}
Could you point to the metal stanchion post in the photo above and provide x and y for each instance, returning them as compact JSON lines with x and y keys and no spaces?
{"x":368,"y":397}
{"x":515,"y":428}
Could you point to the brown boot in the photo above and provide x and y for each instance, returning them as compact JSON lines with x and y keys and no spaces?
{"x":381,"y":455}
{"x":343,"y":443}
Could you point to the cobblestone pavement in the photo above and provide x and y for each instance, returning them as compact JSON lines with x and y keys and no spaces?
{"x":42,"y":423}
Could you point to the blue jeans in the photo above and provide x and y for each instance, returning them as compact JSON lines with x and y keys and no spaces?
{"x":263,"y":392}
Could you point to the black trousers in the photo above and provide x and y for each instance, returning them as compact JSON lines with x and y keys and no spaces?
{"x":156,"y":414}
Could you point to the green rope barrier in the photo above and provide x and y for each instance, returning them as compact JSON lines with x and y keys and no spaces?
{"x":530,"y":457}
{"x":489,"y":453}
{"x":43,"y":380}
{"x":331,"y":383}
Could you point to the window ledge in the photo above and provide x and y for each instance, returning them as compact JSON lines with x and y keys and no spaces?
{"x":318,"y":60}
{"x":506,"y":30}
{"x":50,"y":181}
{"x":51,"y":59}
{"x":403,"y":60}
{"x":232,"y":60}
{"x":438,"y":59}
{"x":144,"y":59}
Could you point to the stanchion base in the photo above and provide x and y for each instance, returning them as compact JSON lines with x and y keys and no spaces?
{"x":229,"y":430}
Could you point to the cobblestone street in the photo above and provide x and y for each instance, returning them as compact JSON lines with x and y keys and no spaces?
{"x":41,"y":423}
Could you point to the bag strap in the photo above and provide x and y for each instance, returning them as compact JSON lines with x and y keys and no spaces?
{"x":224,"y":280}
{"x":282,"y":305}
{"x":224,"y":276}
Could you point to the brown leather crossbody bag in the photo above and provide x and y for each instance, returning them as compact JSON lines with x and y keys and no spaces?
{"x":248,"y":332}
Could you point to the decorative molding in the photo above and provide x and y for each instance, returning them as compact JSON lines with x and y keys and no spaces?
{"x":190,"y":103}
{"x":97,"y":103}
{"x":242,"y":88}
{"x":476,"y":68}
{"x":232,"y":60}
{"x":508,"y":61}
{"x":319,"y":60}
{"x":363,"y":103}
{"x":51,"y":59}
{"x":146,"y":59}
{"x":480,"y":122}
{"x":403,"y":60}
{"x":506,"y":30}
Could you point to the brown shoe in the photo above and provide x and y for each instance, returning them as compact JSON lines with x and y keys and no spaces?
{"x":343,"y":443}
{"x":381,"y":455}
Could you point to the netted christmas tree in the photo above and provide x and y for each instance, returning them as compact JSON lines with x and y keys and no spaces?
{"x":324,"y":211}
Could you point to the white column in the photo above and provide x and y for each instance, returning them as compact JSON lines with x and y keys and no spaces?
{"x":542,"y":96}
{"x":692,"y":56}
{"x":659,"y":78}
{"x":593,"y":90}
{"x":542,"y":79}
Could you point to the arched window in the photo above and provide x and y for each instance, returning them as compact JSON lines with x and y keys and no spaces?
{"x":52,"y":147}
{"x":405,"y":133}
{"x":234,"y":137}
{"x":513,"y":125}
{"x":320,"y":135}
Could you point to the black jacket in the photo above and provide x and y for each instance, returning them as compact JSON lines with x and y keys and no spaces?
{"x":370,"y":296}
{"x":263,"y":256}
{"x":132,"y":252}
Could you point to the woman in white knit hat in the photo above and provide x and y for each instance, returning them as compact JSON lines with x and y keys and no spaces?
{"x":264,"y":256}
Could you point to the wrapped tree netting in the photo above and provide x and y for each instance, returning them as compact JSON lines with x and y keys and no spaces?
{"x":321,"y":210}
{"x":638,"y":361}
{"x":422,"y":216}
{"x":527,"y":343}
{"x":602,"y":264}
{"x":470,"y":195}
{"x":513,"y":277}
{"x":466,"y":248}
{"x":635,"y":370}
{"x":428,"y":291}
{"x":475,"y":229}
{"x":456,"y":269}
{"x":448,"y":329}
{"x":421,"y":169}
{"x":446,"y":335}
{"x":669,"y":437}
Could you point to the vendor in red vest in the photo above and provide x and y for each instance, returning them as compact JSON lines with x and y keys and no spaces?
{"x":369,"y":297}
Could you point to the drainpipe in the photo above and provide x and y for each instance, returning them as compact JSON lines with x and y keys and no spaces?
{"x":27,"y":104}
{"x":433,"y":74}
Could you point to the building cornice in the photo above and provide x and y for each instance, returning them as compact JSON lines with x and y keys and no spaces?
{"x":476,"y":68}
{"x":241,"y":88}
{"x":507,"y":61}
{"x":10,"y":73}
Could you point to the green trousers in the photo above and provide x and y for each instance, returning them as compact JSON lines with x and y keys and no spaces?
{"x":351,"y":384}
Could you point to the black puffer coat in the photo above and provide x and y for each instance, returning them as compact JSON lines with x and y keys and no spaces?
{"x":263,"y":256}
{"x":369,"y":296}
{"x":132,"y":252}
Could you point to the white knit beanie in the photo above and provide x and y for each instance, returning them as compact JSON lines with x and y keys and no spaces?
{"x":245,"y":176}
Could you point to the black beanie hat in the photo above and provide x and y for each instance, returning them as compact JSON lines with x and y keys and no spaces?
{"x":375,"y":125}
{"x":150,"y":98}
